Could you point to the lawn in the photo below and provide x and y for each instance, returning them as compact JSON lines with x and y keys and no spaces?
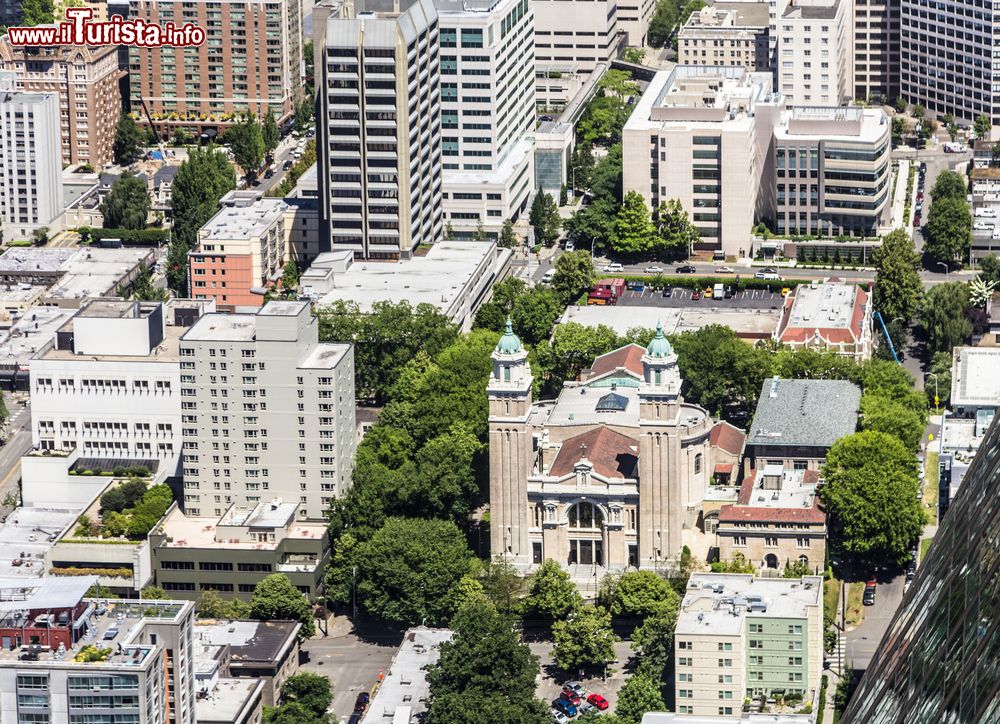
{"x":925,"y":544}
{"x":931,"y":486}
{"x":831,"y":599}
{"x":854,"y":593}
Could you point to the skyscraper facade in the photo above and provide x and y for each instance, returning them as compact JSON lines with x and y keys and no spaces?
{"x":938,"y":660}
{"x":947,"y":52}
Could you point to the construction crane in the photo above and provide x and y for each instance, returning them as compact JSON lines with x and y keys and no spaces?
{"x":156,"y":135}
{"x":885,"y":331}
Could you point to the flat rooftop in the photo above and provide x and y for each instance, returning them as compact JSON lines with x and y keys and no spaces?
{"x":36,"y":259}
{"x":975,"y":377}
{"x":282,"y":308}
{"x":440,"y":278}
{"x":827,"y":123}
{"x":218,"y":327}
{"x":712,"y":598}
{"x":248,"y":640}
{"x":27,"y":535}
{"x":96,"y":272}
{"x":405,"y":685}
{"x":18,"y":294}
{"x":201,"y":533}
{"x":273,"y":514}
{"x":812,"y":10}
{"x":167,"y":350}
{"x":324,"y":356}
{"x":810,"y":413}
{"x":242,"y":223}
{"x":31,"y":333}
{"x":750,"y":323}
{"x":224,"y":703}
{"x":828,"y":305}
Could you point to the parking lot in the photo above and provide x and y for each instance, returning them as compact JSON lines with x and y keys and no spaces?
{"x":680,"y":297}
{"x":550,"y":684}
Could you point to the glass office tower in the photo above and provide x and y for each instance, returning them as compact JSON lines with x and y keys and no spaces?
{"x":939,"y":661}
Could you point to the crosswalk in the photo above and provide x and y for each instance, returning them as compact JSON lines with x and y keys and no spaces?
{"x":840,"y":654}
{"x":527,"y":271}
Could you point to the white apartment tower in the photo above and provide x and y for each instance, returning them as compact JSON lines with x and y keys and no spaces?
{"x":487,"y":111}
{"x":379,"y":150}
{"x":267,"y":411}
{"x":31,"y":191}
{"x":876,"y":50}
{"x":815,"y":62}
{"x":948,"y":61}
{"x":109,"y":388}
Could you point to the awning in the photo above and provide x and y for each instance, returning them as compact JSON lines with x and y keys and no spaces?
{"x":723,"y":468}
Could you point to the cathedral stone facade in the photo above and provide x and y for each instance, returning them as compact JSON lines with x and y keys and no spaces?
{"x":607,"y":476}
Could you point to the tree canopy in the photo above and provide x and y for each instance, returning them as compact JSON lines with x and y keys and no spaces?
{"x":949,"y":184}
{"x":312,"y":691}
{"x":552,"y":595}
{"x":270,"y":133}
{"x":898,"y":288}
{"x":637,"y":594}
{"x":246,"y":141}
{"x":641,"y":693}
{"x":948,"y":233}
{"x":128,"y":141}
{"x":544,"y":218}
{"x":127,"y":204}
{"x":574,"y":275}
{"x":633,"y":231}
{"x":942,"y":316}
{"x":870,"y":495}
{"x":584,"y":639}
{"x":275,"y":598}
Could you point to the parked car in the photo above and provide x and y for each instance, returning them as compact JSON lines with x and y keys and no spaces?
{"x":653,"y":269}
{"x":613,"y":267}
{"x":707,"y":293}
{"x":695,"y":295}
{"x":767,"y":274}
{"x":982,"y":226}
{"x":725,"y":270}
{"x":548,"y":276}
{"x":599,"y":701}
{"x":570,"y":246}
{"x":576,"y":687}
{"x":685,"y":269}
{"x":558,"y":717}
{"x":728,"y":294}
{"x":668,"y":292}
{"x":572,"y":697}
{"x":585,"y":707}
{"x":911,"y":571}
{"x":916,"y":220}
{"x":987,"y":212}
{"x":868,"y":598}
{"x":361,"y":702}
{"x":565,"y":706}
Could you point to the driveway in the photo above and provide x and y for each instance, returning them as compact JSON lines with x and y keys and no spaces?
{"x":863,"y":640}
{"x":551,"y":679}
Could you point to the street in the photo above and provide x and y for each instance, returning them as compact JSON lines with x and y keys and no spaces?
{"x":18,"y":426}
{"x":863,"y":640}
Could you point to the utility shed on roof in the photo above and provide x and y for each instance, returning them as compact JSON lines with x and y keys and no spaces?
{"x":797,"y":421}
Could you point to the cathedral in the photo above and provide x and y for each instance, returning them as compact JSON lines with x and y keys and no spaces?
{"x":607,"y":476}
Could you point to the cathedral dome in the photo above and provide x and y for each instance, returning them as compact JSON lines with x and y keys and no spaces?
{"x":509,"y":343}
{"x":659,"y":347}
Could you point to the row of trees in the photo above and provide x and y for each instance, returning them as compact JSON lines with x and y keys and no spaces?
{"x":668,"y":232}
{"x":948,"y":232}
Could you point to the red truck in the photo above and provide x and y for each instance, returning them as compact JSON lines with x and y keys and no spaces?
{"x":606,"y":291}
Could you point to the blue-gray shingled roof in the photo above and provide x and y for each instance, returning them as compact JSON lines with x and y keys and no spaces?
{"x":814,"y":413}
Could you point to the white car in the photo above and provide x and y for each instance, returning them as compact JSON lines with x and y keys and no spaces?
{"x":987,"y":212}
{"x":724,"y":270}
{"x":982,"y":226}
{"x":558,"y":717}
{"x":613,"y":267}
{"x":653,"y":269}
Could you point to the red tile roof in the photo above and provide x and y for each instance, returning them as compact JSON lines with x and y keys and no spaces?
{"x":727,"y":437}
{"x":612,"y":454}
{"x":628,"y":357}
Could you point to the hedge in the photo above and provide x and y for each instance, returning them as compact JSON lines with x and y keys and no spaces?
{"x":109,"y":572}
{"x":128,"y":237}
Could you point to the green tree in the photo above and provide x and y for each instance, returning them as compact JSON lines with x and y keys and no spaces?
{"x":544,"y":218}
{"x":897,"y":277}
{"x":563,"y":195}
{"x":154,"y":593}
{"x":633,"y":229}
{"x":581,"y":164}
{"x":291,"y":713}
{"x":663,"y":22}
{"x":199,"y":184}
{"x":593,"y":225}
{"x":634,"y":55}
{"x":484,"y":658}
{"x":949,"y":185}
{"x":639,"y":695}
{"x":552,"y":595}
{"x":246,"y":141}
{"x":942,"y":316}
{"x":898,"y":128}
{"x":637,"y":594}
{"x":888,"y":415}
{"x":983,"y":127}
{"x":144,"y":290}
{"x":290,"y":274}
{"x":574,"y":275}
{"x":941,"y":369}
{"x":128,"y":141}
{"x":655,"y":636}
{"x":406,"y":572}
{"x":270,"y":133}
{"x":127,"y":204}
{"x":948,"y":233}
{"x":870,"y":496}
{"x":535,"y":312}
{"x":507,"y":238}
{"x":305,"y":113}
{"x":312,"y":691}
{"x":677,"y":234}
{"x":211,"y":605}
{"x":572,"y":348}
{"x":276,"y":599}
{"x":37,"y":12}
{"x":583,"y":639}
{"x":123,"y":496}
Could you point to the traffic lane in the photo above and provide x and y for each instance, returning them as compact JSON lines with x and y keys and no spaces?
{"x":682,"y":297}
{"x":863,"y":641}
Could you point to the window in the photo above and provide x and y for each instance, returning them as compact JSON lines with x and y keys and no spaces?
{"x":725,"y":663}
{"x":725,"y":646}
{"x":697,"y":464}
{"x":585,"y":515}
{"x":795,"y":630}
{"x":770,"y":541}
{"x":684,"y":645}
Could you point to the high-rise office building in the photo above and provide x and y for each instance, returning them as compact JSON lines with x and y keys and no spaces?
{"x":379,"y":150}
{"x":267,"y":411}
{"x":85,"y":78}
{"x":487,"y":111}
{"x":814,"y":64}
{"x":876,"y":50}
{"x":31,"y":190}
{"x":947,"y":58}
{"x":937,"y":660}
{"x":251,"y":61}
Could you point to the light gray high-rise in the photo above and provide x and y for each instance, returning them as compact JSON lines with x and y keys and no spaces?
{"x":380,"y":149}
{"x":266,"y":411}
{"x":947,"y":57}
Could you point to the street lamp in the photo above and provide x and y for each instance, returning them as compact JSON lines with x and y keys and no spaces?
{"x":946,"y":270}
